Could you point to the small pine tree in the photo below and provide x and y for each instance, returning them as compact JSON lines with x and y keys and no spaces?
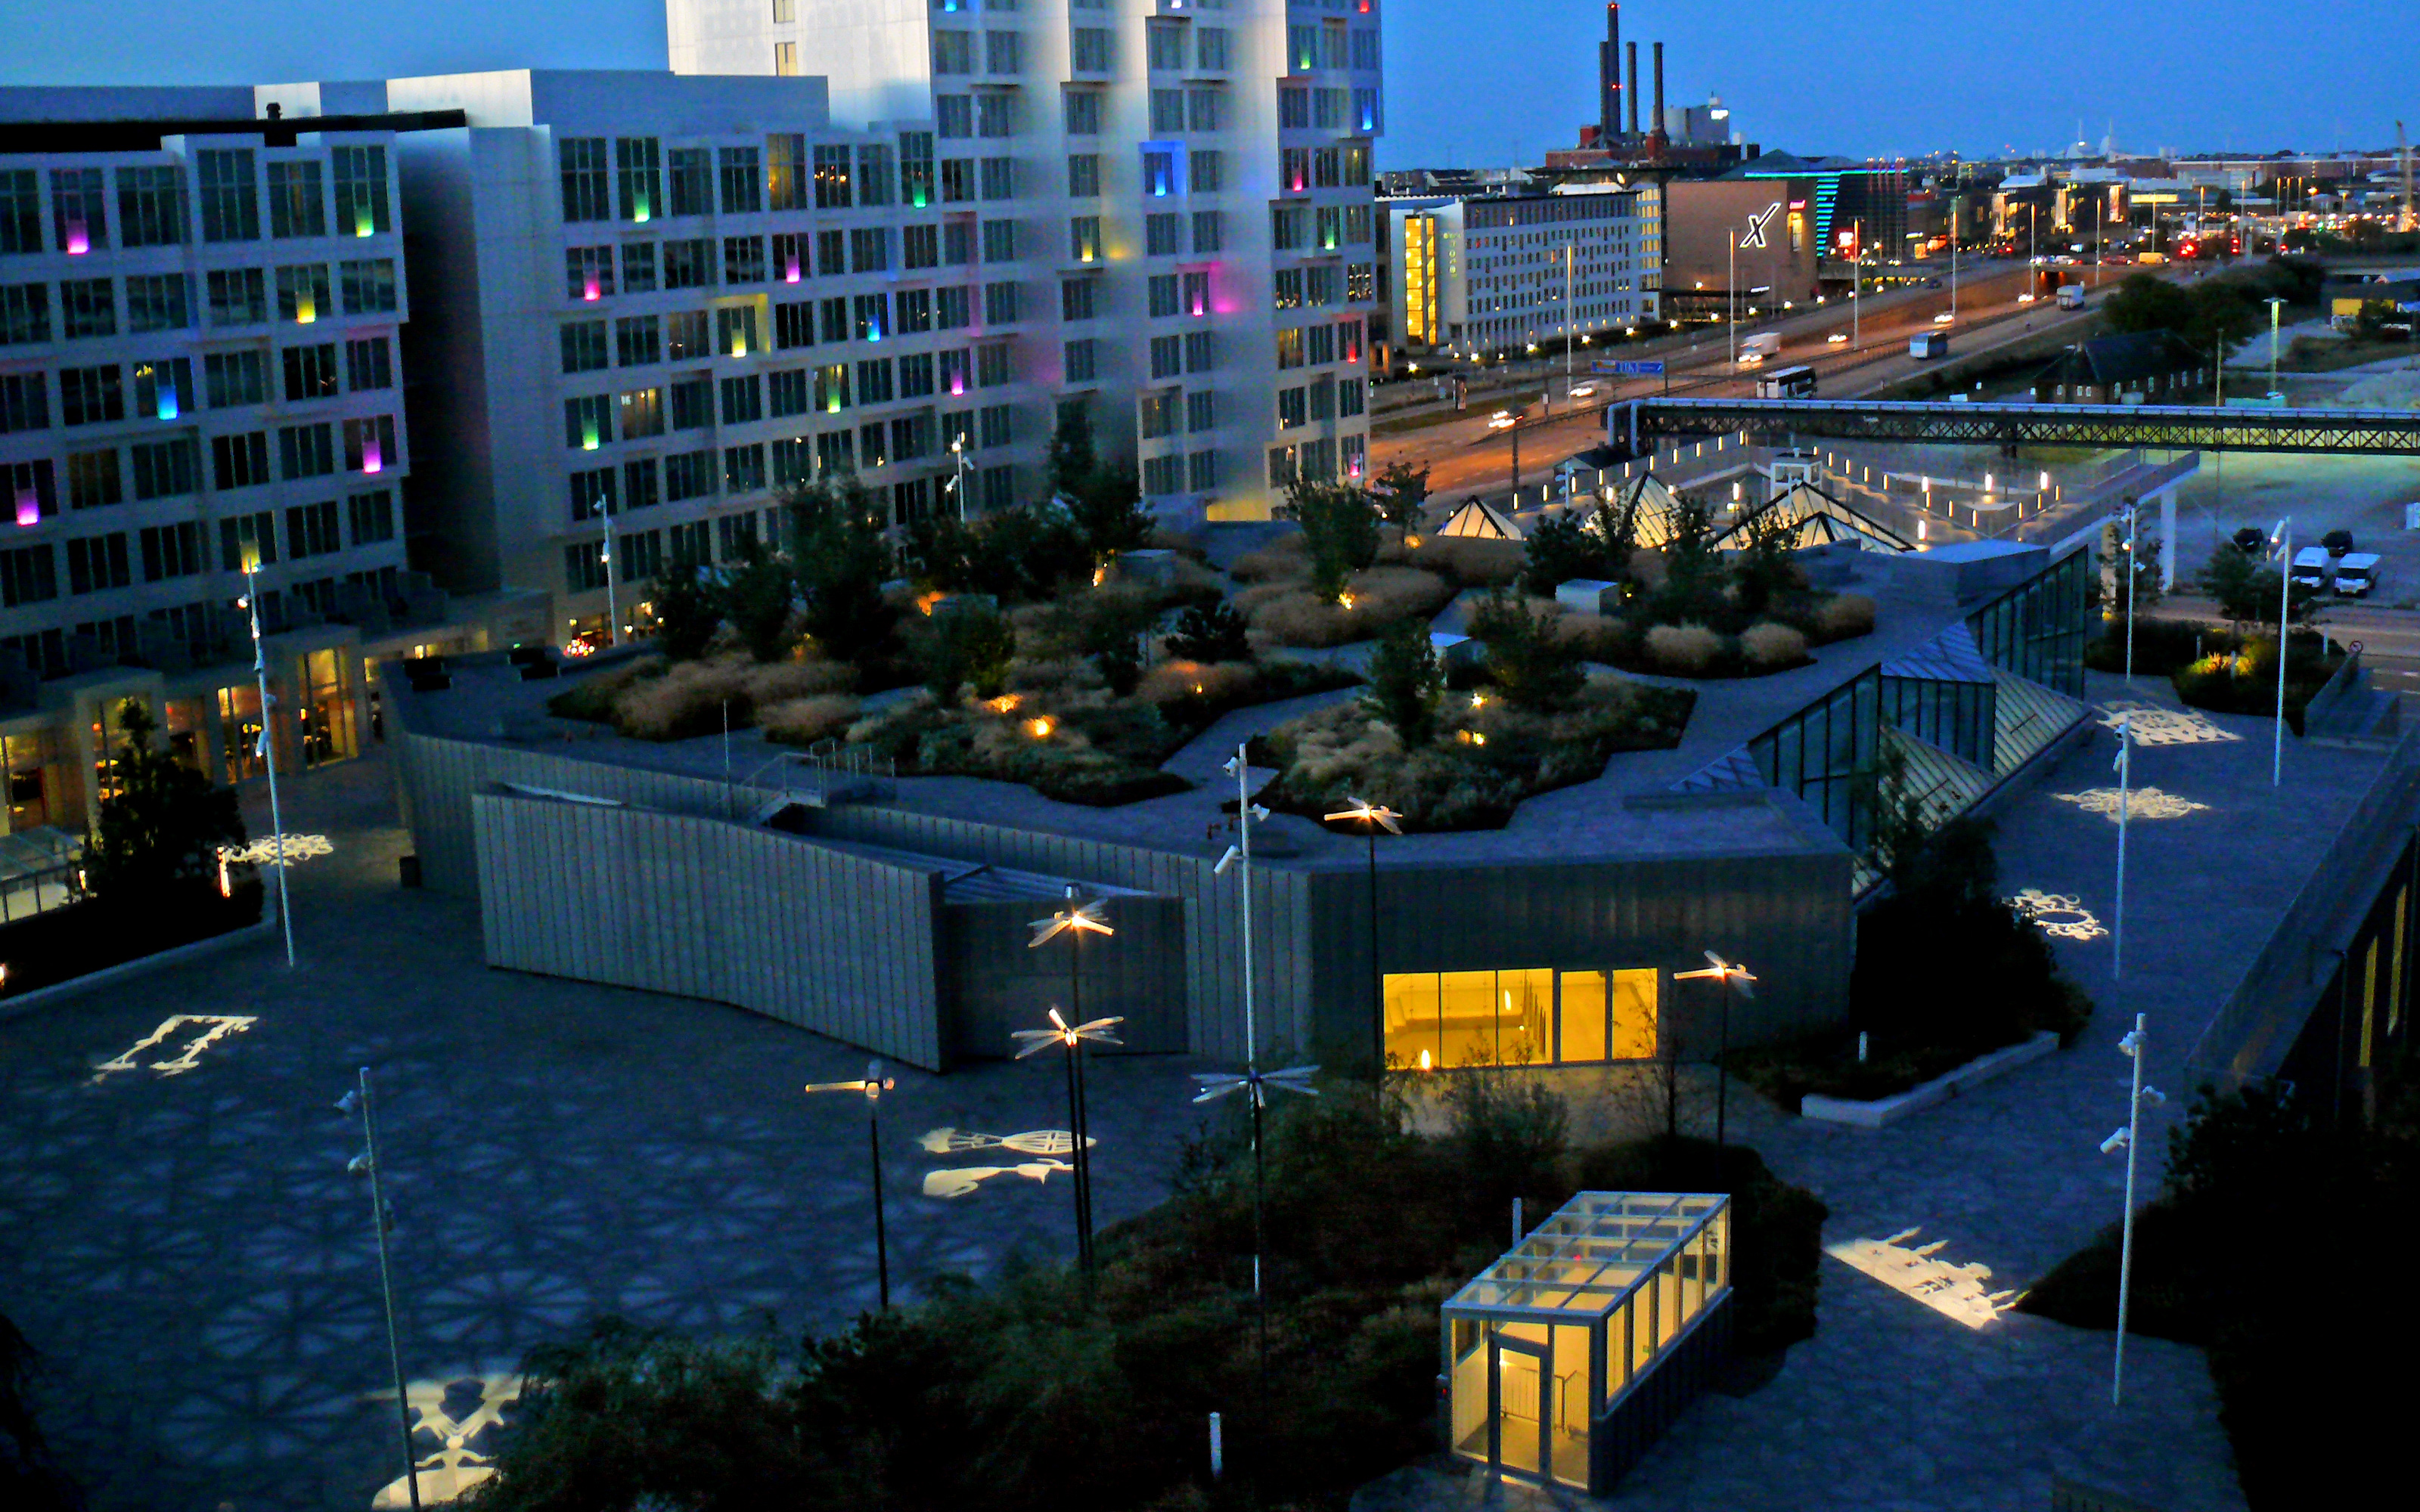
{"x":160,"y":834}
{"x":1406,"y":683}
{"x":1211,"y":633}
{"x":1340,"y":523}
{"x":1403,"y":493}
{"x":1522,"y":656}
{"x":839,"y":541}
{"x":688,"y":610}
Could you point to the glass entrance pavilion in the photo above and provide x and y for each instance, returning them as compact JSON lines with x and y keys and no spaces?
{"x":1569,"y":1355}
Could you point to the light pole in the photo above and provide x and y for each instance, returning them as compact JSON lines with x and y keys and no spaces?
{"x":1731,"y":301}
{"x":2128,"y":1139}
{"x":1372,"y":818}
{"x":959,"y":466}
{"x":2275,"y":306}
{"x":1857,"y":291}
{"x":1733,"y":977}
{"x":2283,"y":538}
{"x":1214,"y":1084}
{"x":1076,"y":920}
{"x":873,"y":1084}
{"x":360,"y":1100}
{"x":613,"y":613}
{"x":267,"y":748}
{"x":2133,"y":514}
{"x":2125,"y":767}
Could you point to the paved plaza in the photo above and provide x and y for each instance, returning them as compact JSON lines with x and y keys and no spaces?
{"x":181,"y":1240}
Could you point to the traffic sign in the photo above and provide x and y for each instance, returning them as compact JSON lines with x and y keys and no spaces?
{"x":1653,"y":368}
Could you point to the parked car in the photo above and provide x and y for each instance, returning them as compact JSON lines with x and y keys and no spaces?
{"x":2357,"y":574}
{"x":2251,"y":540}
{"x":2312,"y":568}
{"x":2338,"y":542}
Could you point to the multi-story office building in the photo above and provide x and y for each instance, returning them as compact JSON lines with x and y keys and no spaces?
{"x":1498,"y":275}
{"x":1178,"y":194}
{"x":200,"y":308}
{"x":661,"y":300}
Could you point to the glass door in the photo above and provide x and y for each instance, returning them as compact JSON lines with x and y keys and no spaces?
{"x":1517,"y":1400}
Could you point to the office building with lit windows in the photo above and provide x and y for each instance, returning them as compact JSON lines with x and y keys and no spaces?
{"x":1486,"y":276}
{"x":1175,"y":197}
{"x":201,"y":306}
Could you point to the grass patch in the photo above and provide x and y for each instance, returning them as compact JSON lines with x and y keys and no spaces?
{"x":1285,"y":612}
{"x":651,"y":699}
{"x":1488,"y":757}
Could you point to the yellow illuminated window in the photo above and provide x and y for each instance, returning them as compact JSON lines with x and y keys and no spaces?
{"x":1634,"y":1014}
{"x":1584,"y":1005}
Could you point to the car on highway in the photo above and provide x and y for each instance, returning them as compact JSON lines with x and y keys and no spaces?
{"x":1584,"y":391}
{"x":1933,"y":283}
{"x":1502,"y":420}
{"x":1945,"y":318}
{"x":1837,"y":338}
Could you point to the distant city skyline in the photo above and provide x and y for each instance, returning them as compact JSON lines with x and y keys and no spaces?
{"x":2243,"y":77}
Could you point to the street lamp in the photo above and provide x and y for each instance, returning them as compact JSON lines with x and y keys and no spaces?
{"x":359,"y":1100}
{"x":1074,"y":921}
{"x":873,"y":1084}
{"x":266,"y":747}
{"x":1733,"y":977}
{"x":1372,"y":818}
{"x":959,"y":465}
{"x":613,"y":613}
{"x":2282,"y":537}
{"x":1073,"y":1039}
{"x":2275,"y":306}
{"x":2128,"y":1138}
{"x":2125,"y":768}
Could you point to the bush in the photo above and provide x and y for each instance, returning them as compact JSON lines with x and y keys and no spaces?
{"x":1222,"y":682}
{"x":78,"y":938}
{"x":1844,"y":616}
{"x":1406,"y":683}
{"x":1293,"y":615}
{"x":1340,"y":528}
{"x":2161,"y":646}
{"x":802,"y":721}
{"x":1469,"y":562}
{"x":1213,"y":632}
{"x":970,"y":644}
{"x":1771,"y":647}
{"x":1524,"y":658}
{"x":1683,"y":650}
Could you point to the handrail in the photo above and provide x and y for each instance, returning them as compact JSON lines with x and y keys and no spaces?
{"x":2338,"y":688}
{"x":2236,"y":1045}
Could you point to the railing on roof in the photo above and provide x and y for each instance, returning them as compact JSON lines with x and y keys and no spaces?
{"x":2254,"y":1024}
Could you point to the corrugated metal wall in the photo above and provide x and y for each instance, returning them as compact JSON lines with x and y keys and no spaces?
{"x":996,"y":983}
{"x":692,"y":906}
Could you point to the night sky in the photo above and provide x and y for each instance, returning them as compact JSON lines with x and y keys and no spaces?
{"x":1485,"y":81}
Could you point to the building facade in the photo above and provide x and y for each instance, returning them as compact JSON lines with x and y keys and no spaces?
{"x":201,"y":308}
{"x":1493,"y":276}
{"x":1178,"y":196}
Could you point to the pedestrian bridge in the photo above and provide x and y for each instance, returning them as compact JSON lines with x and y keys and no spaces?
{"x":1639,"y":425}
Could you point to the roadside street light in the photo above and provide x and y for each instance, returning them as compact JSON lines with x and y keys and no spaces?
{"x":873,"y":1084}
{"x":266,"y":747}
{"x":2129,"y":1139}
{"x":1718,"y":969}
{"x":1074,"y":921}
{"x":360,"y":1100}
{"x":959,"y":467}
{"x":2275,"y":306}
{"x":1372,"y":818}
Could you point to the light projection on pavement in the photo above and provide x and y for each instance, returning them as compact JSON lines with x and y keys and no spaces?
{"x":2152,"y":725}
{"x":2060,"y":915}
{"x":1046,"y":1149}
{"x":461,"y":1460}
{"x":1918,"y":1271}
{"x":263,"y":851}
{"x":212,"y":1028}
{"x":2141,"y":803}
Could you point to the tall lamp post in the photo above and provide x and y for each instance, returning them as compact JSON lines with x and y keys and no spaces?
{"x":1074,"y":921}
{"x":959,"y":467}
{"x":1734,"y":979}
{"x":2282,"y":537}
{"x":360,"y":1100}
{"x":1373,"y":817}
{"x":267,"y":749}
{"x":873,"y":1084}
{"x":613,"y":613}
{"x":2275,"y":306}
{"x":2125,"y":767}
{"x":2128,"y":1138}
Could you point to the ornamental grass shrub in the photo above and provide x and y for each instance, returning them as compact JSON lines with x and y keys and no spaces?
{"x":805,"y":720}
{"x":1844,"y":616}
{"x":1290,"y":614}
{"x":1771,"y":647}
{"x":1683,"y":650}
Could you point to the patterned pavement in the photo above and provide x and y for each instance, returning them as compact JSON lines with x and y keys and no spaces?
{"x":180,"y":1239}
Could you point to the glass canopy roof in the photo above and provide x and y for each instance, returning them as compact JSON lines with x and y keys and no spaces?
{"x":1589,"y":1256}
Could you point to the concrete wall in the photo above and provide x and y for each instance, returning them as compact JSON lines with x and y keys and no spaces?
{"x":829,"y":941}
{"x":995,"y":983}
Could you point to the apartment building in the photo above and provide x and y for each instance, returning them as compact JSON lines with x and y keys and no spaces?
{"x":200,"y":310}
{"x":1498,"y":275}
{"x":1177,"y":190}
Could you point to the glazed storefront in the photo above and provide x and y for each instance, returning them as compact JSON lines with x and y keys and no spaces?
{"x":1528,"y":1016}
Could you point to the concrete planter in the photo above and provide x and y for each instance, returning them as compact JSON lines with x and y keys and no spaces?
{"x":1886,"y":1110}
{"x":141,"y":965}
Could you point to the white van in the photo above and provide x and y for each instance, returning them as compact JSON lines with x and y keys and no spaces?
{"x":2314,"y":568}
{"x":2357,"y":574}
{"x":2071,"y":296}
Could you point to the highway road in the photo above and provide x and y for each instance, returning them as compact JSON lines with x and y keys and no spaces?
{"x":1465,"y":457}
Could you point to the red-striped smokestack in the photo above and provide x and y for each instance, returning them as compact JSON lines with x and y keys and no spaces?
{"x":1657,"y":132}
{"x":1634,"y":88}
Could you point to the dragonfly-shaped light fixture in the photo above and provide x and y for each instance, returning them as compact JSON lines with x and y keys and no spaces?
{"x":1376,"y":814}
{"x":1735,"y":979}
{"x":1214,"y":1084}
{"x":1076,"y":919}
{"x":1062,"y":1033}
{"x":1072,"y":1037}
{"x":871,"y":1085}
{"x":1372,"y":817}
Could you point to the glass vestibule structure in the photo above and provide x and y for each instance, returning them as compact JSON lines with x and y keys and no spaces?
{"x":1548,"y":1344}
{"x":1527,"y":1016}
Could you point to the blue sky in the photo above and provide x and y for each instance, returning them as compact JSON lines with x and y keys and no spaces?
{"x":1483,"y":81}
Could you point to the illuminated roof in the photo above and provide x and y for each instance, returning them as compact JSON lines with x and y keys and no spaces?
{"x":1590,"y":1256}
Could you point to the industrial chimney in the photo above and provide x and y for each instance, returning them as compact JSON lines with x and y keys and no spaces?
{"x":1656,"y":137}
{"x":1634,"y":88}
{"x":1608,"y":75}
